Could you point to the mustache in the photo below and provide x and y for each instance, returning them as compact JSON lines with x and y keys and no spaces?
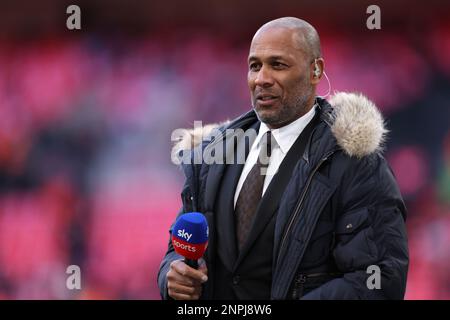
{"x":262,"y":93}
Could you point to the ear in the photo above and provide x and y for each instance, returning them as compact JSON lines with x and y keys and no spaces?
{"x":315,"y":78}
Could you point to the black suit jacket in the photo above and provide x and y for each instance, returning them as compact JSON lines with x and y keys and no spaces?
{"x":247,"y":274}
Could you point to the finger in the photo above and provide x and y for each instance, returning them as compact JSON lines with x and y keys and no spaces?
{"x":187,"y":271}
{"x":179,"y":288}
{"x":203,"y":268}
{"x":201,"y":262}
{"x":173,"y":276}
{"x":180,"y":292}
{"x":179,"y":296}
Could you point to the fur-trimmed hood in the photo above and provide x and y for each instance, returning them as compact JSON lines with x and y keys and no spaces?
{"x":356,"y":123}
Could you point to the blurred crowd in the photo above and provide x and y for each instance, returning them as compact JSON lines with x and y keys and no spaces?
{"x":85,"y":135}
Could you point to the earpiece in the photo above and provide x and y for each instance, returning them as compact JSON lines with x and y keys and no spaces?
{"x":317,"y":73}
{"x":316,"y":69}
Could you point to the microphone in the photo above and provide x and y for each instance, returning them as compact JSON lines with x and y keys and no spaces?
{"x":190,"y":237}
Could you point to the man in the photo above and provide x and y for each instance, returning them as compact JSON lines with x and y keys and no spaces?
{"x":329,"y":224}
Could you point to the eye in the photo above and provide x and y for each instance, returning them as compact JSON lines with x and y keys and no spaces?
{"x":254,"y":66}
{"x":279,"y":65}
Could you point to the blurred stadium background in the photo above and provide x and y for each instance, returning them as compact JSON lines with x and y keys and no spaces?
{"x":86,"y":120}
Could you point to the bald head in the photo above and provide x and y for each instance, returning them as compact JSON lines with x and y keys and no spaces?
{"x":307,"y":37}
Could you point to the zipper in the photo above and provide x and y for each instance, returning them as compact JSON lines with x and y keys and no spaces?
{"x":300,"y":203}
{"x":300,"y":280}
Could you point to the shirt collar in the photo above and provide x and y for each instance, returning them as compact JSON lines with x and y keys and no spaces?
{"x":286,"y":136}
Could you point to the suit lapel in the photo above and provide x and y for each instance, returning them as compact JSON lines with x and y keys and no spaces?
{"x":225,"y":218}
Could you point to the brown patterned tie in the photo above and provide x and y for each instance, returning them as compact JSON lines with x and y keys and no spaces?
{"x":251,"y":192}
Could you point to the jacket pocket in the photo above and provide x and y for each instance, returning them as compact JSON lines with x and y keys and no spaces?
{"x":350,"y":223}
{"x":355,"y":248}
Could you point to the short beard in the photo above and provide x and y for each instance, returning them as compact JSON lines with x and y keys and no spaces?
{"x":288,"y":112}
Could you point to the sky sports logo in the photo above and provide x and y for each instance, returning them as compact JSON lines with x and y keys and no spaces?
{"x":190,"y":235}
{"x":186,"y":244}
{"x":185,"y":235}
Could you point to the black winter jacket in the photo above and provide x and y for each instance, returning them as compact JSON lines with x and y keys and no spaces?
{"x":341,"y":217}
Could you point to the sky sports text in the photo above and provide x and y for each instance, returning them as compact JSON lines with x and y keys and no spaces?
{"x":184,"y":246}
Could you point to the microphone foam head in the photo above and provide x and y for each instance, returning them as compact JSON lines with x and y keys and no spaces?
{"x":190,"y":235}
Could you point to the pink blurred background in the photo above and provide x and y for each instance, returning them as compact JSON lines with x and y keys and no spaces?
{"x":86,"y":120}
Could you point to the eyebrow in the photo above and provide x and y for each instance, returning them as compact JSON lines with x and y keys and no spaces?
{"x":272,"y":58}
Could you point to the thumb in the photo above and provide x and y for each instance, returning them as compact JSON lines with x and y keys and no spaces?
{"x":202,"y":266}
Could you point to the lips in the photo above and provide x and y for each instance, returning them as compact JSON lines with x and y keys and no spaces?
{"x":265,"y":99}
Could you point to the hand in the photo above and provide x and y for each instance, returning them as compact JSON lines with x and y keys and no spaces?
{"x":184,"y":282}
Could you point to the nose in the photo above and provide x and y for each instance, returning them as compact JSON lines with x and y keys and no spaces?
{"x":264,"y":78}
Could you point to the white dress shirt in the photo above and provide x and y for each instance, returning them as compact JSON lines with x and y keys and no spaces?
{"x":282,"y":140}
